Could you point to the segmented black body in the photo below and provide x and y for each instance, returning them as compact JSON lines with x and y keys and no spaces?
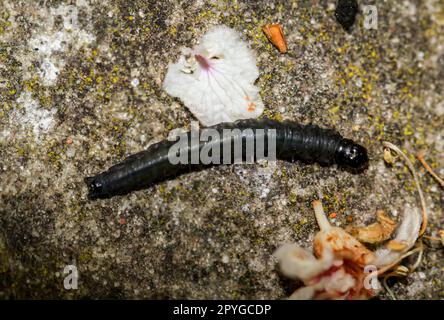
{"x":294,"y":141}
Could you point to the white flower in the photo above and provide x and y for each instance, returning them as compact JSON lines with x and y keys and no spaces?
{"x":215,"y":79}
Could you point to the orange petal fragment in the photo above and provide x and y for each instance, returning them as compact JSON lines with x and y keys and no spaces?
{"x":275,"y":35}
{"x":396,"y":245}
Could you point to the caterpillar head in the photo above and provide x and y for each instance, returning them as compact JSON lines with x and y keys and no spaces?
{"x":351,"y":154}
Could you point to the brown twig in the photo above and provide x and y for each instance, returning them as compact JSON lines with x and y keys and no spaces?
{"x":416,"y":179}
{"x":421,"y":159}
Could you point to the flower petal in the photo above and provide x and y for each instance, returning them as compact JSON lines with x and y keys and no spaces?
{"x":218,"y":86}
{"x":298,"y":263}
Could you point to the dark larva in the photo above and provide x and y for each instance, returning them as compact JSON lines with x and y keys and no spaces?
{"x":308,"y":143}
{"x":346,"y":11}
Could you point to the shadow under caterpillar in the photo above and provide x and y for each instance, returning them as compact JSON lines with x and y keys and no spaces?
{"x":293,"y":141}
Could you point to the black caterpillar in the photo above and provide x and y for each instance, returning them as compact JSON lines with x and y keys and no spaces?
{"x":294,"y":141}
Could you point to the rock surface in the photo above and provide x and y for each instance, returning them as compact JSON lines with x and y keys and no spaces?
{"x":80,"y":89}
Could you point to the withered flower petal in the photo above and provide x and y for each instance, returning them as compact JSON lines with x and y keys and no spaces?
{"x":376,"y":232}
{"x":338,"y":270}
{"x":299,"y":263}
{"x":340,"y":242}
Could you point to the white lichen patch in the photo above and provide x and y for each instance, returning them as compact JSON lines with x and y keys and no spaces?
{"x":215,"y":79}
{"x":29,"y":116}
{"x":50,"y":41}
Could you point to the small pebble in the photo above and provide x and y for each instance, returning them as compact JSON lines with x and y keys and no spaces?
{"x":70,"y":152}
{"x":135,"y":82}
{"x":346,"y":11}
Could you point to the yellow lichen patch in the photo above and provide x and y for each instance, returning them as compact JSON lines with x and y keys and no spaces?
{"x":272,"y":115}
{"x":54,"y":151}
{"x":206,"y":15}
{"x":172,"y":31}
{"x":257,"y":36}
{"x":31,"y":84}
{"x":334,"y":110}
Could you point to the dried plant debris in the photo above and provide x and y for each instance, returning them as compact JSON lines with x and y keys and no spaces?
{"x":440,"y":237}
{"x":335,"y":271}
{"x":421,"y":159}
{"x":275,"y":35}
{"x":405,"y":238}
{"x":215,"y":79}
{"x":337,"y":267}
{"x":412,"y":169}
{"x":345,"y":13}
{"x":377,"y":232}
{"x":337,"y":240}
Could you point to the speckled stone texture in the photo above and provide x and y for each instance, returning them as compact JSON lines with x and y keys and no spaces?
{"x":80,"y":89}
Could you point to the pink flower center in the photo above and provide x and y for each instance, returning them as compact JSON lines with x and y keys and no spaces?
{"x":203,"y":62}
